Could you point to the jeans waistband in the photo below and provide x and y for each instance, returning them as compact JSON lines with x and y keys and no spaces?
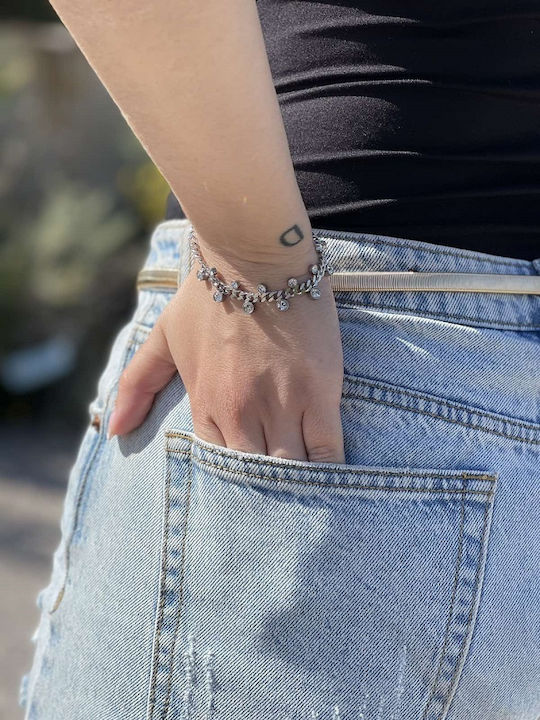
{"x":363,"y":252}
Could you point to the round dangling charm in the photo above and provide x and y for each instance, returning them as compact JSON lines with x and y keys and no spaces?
{"x":248,"y":307}
{"x":315,"y":292}
{"x":218,"y":296}
{"x":282,"y":304}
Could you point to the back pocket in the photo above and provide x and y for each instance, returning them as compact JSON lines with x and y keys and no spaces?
{"x":292,"y":589}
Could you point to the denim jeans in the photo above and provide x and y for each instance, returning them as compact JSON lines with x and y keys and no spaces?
{"x":198,"y":582}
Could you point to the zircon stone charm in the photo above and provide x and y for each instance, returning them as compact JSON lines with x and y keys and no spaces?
{"x":248,"y":307}
{"x":218,"y":296}
{"x":235,"y":285}
{"x":314,"y":269}
{"x":292,"y":282}
{"x":282,"y":304}
{"x":261,"y":288}
{"x":202,"y":274}
{"x":315,"y":293}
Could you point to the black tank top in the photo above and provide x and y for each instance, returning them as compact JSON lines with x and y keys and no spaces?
{"x":412,"y":118}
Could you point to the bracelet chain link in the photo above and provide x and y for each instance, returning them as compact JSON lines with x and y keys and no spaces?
{"x":250,"y":298}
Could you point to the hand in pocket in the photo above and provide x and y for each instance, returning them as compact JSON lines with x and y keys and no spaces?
{"x":269,"y":383}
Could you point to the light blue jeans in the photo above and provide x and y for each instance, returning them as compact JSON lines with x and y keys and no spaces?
{"x":197,"y":582}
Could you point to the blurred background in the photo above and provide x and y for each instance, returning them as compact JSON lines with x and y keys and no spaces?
{"x":78,"y":200}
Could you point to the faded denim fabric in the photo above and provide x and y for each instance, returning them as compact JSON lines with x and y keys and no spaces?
{"x":202,"y":583}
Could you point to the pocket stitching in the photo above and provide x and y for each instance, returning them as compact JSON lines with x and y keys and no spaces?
{"x":282,"y":463}
{"x":462,"y":423}
{"x":434,"y":705}
{"x":487,"y":492}
{"x":451,"y":608}
{"x":163,"y":592}
{"x":448,"y":316}
{"x":468,"y":409}
{"x":442,"y":704}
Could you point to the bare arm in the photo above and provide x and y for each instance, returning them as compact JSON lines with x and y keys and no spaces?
{"x":192,"y":79}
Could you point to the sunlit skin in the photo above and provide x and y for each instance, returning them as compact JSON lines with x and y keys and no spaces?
{"x":192,"y":79}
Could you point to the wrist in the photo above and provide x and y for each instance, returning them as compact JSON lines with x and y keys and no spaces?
{"x":236,"y":287}
{"x":270,"y":265}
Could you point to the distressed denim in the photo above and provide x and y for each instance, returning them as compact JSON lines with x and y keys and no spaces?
{"x":198,"y":582}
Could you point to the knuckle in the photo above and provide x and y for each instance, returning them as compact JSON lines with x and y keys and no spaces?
{"x":323,"y":433}
{"x":233,"y":411}
{"x":205,"y":425}
{"x":202,"y":419}
{"x":323,"y":452}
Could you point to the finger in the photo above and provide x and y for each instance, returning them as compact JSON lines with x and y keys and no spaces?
{"x":323,"y":434}
{"x":245,"y":435}
{"x":149,"y":370}
{"x":208,"y":431}
{"x":284,"y":439}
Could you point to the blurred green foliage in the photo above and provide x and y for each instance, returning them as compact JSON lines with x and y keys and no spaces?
{"x":79,"y":197}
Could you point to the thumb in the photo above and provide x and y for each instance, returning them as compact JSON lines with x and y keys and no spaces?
{"x":149,"y":370}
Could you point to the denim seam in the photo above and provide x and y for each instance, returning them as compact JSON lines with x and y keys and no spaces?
{"x":336,"y":486}
{"x":445,"y":702}
{"x":85,"y":472}
{"x":445,"y":419}
{"x":166,"y":706}
{"x":161,"y":608}
{"x":430,"y":313}
{"x":313,"y":465}
{"x":433,"y":398}
{"x":451,"y":608}
{"x":381,"y":240}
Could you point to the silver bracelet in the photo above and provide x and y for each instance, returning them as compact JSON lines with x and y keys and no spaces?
{"x":281,"y":297}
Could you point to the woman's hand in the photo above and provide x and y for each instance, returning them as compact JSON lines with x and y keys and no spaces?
{"x":268,"y":383}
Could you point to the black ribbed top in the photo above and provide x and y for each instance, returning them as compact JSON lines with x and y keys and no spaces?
{"x":414,"y":119}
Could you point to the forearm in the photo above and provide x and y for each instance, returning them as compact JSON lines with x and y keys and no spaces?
{"x":192,"y":79}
